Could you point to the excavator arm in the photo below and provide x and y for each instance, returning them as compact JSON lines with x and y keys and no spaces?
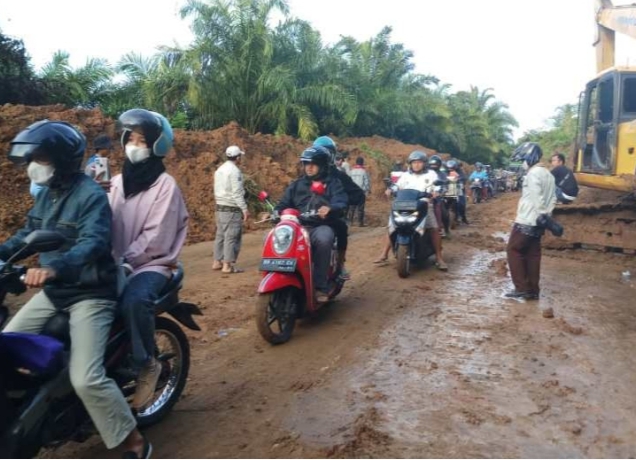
{"x":611,"y":19}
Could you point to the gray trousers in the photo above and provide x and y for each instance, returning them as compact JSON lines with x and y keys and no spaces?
{"x":321,"y":238}
{"x":90,"y":322}
{"x":229,"y":232}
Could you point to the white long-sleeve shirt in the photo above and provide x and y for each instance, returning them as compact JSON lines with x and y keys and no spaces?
{"x":538,"y":195}
{"x":424,"y":182}
{"x":228,"y":186}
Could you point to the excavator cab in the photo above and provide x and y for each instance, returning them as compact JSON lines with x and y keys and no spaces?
{"x":606,"y":144}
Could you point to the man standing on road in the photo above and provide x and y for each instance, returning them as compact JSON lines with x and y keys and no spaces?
{"x":231,"y":211}
{"x":360,"y":177}
{"x":524,"y":246}
{"x":566,"y":186}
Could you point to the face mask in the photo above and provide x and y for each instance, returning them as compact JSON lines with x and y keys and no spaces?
{"x":40,"y":174}
{"x":137,"y":154}
{"x":525,"y":165}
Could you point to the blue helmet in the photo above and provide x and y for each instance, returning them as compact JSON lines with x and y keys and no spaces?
{"x":327,"y":143}
{"x":154,"y":126}
{"x":529,"y":152}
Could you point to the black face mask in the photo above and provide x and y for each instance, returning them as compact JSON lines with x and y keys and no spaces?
{"x":138,"y":177}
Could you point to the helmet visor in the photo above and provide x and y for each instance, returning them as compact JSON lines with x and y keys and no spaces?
{"x":22,"y":154}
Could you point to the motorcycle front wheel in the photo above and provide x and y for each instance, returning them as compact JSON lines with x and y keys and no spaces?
{"x":276,"y":314}
{"x":173,"y":352}
{"x":403,"y":262}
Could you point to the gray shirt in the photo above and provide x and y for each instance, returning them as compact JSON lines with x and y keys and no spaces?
{"x":538,"y":195}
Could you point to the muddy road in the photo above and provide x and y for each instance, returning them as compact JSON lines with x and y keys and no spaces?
{"x":437,"y":365}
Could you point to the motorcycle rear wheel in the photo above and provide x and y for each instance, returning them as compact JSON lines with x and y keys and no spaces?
{"x":403,"y":262}
{"x":173,"y":351}
{"x":276,"y":314}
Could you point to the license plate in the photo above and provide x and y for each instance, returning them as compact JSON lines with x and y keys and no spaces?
{"x":278,"y":265}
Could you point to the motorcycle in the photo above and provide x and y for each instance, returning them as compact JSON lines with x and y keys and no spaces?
{"x":286,"y":292}
{"x":476,"y":187}
{"x":451,"y":200}
{"x":41,"y":409}
{"x":411,"y":242}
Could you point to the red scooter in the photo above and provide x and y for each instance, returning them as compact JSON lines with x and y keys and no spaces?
{"x":286,"y":291}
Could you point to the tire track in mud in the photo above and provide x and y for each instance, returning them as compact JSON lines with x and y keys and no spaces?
{"x":436,"y":365}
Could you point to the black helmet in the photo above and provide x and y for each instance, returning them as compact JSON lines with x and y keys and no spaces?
{"x":63,"y":143}
{"x":530,"y":152}
{"x":452,"y":164}
{"x":435,"y":162}
{"x":154,"y":126}
{"x":317,"y":155}
{"x":417,"y":156}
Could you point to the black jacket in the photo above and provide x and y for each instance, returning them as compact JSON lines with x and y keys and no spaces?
{"x":298,"y":196}
{"x":565,"y":180}
{"x":355,"y":194}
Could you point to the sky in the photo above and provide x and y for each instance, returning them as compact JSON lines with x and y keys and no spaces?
{"x":535,"y":55}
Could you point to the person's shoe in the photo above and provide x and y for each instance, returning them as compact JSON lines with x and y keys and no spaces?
{"x":532,"y":296}
{"x":322,"y":297}
{"x":344,"y":273}
{"x":465,"y":222}
{"x":548,"y":313}
{"x":517,"y":294}
{"x":147,"y":452}
{"x":146,"y":384}
{"x":442,"y":266}
{"x":217,"y":265}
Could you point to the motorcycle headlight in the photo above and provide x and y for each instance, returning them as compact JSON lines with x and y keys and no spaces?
{"x":400,"y":219}
{"x":283,"y":238}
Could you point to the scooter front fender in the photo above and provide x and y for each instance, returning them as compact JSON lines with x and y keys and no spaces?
{"x":403,"y":238}
{"x":274,"y":281}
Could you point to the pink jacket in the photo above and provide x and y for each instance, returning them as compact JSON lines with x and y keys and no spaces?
{"x":149,"y":229}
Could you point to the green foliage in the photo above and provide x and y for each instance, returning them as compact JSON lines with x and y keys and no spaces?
{"x":559,"y":136}
{"x":281,"y":79}
{"x":18,"y":82}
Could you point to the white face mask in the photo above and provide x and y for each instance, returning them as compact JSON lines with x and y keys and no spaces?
{"x":525,"y":165}
{"x":40,"y":174}
{"x":137,"y":154}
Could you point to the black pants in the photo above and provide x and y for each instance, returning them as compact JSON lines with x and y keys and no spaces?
{"x":341,"y":231}
{"x":359,"y":209}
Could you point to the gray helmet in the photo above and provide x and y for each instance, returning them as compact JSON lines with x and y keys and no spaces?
{"x":417,"y":156}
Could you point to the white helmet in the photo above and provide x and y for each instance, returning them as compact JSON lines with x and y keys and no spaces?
{"x":234,"y":151}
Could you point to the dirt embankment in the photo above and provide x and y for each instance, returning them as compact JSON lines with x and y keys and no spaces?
{"x":271,"y":161}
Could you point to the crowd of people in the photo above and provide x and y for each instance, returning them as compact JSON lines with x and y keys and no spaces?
{"x":134,"y":225}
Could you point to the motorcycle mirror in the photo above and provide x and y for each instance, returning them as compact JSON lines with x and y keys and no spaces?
{"x":40,"y":241}
{"x":44,"y":240}
{"x":262,"y":196}
{"x":318,"y":188}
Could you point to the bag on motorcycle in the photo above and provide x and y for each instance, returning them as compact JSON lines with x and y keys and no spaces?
{"x":38,"y":354}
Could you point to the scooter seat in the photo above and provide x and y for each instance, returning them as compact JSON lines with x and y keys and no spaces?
{"x":57,"y":326}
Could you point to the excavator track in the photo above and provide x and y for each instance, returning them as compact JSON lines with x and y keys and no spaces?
{"x":601,"y":226}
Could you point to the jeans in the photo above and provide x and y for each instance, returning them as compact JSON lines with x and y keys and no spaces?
{"x":90,"y":322}
{"x":321,"y":238}
{"x":137,"y":309}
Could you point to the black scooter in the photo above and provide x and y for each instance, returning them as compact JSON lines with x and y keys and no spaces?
{"x":411,"y":242}
{"x":43,"y":410}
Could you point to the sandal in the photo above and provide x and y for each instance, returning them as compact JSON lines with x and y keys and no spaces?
{"x":381,"y":261}
{"x":217,"y":265}
{"x":441,"y":266}
{"x":233,"y":270}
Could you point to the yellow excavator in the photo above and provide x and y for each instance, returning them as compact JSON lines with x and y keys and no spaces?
{"x":605,"y":147}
